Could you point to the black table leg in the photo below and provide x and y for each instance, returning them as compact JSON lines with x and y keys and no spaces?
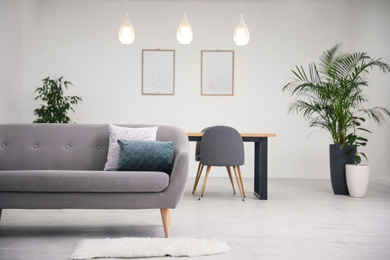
{"x":261,"y":185}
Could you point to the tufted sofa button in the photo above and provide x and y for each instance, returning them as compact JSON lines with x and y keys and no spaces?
{"x":67,"y":147}
{"x":98,"y":148}
{"x":35,"y":146}
{"x":3,"y":146}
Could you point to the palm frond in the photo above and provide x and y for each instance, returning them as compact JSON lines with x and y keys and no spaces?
{"x":330,"y":94}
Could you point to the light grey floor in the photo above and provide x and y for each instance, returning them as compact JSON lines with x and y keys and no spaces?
{"x":302,"y":219}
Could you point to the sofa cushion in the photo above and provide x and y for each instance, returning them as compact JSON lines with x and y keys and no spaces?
{"x":126,"y":133}
{"x":141,"y":155}
{"x":82,"y":181}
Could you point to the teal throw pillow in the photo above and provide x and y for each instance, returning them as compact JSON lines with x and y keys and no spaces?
{"x":143,"y":155}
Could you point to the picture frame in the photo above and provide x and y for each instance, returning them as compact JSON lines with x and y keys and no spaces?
{"x":217,"y":73}
{"x":158,"y":72}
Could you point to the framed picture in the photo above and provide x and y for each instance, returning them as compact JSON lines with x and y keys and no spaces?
{"x":217,"y":71}
{"x":158,"y":72}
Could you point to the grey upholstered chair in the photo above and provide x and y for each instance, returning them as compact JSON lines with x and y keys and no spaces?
{"x":222,"y":146}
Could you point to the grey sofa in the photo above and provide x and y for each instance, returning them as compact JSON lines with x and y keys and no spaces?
{"x":60,"y":166}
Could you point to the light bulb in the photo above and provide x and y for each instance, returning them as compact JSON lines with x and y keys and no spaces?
{"x":241,"y":33}
{"x":126,"y":32}
{"x":184,"y":32}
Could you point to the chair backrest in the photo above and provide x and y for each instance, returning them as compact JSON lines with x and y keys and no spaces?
{"x":197,"y":148}
{"x":222,"y":146}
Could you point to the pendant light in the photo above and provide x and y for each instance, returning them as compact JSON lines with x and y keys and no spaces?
{"x":241,"y":33}
{"x":126,"y":32}
{"x":184,"y":33}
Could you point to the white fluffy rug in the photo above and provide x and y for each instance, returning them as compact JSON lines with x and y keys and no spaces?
{"x":146,"y":247}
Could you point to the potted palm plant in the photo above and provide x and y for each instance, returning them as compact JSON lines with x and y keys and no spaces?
{"x":331,"y":97}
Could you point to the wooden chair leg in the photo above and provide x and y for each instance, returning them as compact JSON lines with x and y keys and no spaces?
{"x":242,"y":184}
{"x":231,"y":179}
{"x":205,"y":180}
{"x":238,"y":181}
{"x":166,"y":219}
{"x":198,"y":174}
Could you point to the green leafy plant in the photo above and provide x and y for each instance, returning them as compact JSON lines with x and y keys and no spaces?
{"x":331,"y":96}
{"x":56,"y":103}
{"x":356,"y":141}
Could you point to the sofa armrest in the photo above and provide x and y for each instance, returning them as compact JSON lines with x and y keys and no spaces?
{"x":178,"y":177}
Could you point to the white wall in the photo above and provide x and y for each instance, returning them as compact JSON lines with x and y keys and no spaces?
{"x":370,"y":33}
{"x":10,"y":60}
{"x":78,"y":40}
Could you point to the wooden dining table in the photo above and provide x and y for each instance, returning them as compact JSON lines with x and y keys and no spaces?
{"x":260,"y":141}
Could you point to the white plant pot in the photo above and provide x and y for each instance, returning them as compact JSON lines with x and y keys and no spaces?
{"x":357,"y":179}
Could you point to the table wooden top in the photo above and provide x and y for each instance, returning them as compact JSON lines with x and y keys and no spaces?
{"x":242,"y":134}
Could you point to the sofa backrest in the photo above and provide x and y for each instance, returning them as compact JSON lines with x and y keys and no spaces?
{"x":64,"y":146}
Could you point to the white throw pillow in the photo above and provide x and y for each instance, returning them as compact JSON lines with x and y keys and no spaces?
{"x":125,"y":133}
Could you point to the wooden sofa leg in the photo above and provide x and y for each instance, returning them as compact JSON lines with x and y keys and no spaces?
{"x":1,"y":211}
{"x":166,"y":219}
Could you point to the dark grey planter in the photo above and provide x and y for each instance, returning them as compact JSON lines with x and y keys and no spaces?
{"x":338,"y":160}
